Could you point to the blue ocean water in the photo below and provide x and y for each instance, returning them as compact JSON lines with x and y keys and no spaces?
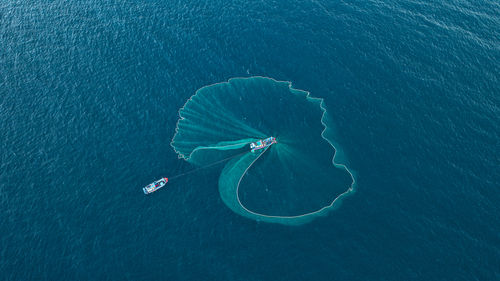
{"x":89,"y":96}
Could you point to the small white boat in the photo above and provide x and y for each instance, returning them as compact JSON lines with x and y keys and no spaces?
{"x":260,"y":144}
{"x":150,"y":188}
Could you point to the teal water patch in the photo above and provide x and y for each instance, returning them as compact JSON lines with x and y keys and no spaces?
{"x":301,"y":177}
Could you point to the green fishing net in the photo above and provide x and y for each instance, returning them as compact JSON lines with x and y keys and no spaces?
{"x":300,"y":177}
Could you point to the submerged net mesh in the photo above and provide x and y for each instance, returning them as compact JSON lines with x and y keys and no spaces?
{"x":290,"y":182}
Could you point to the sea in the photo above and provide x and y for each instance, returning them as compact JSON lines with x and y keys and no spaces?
{"x":89,"y":98}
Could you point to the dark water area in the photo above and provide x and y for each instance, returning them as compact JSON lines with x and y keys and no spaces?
{"x":89,"y":100}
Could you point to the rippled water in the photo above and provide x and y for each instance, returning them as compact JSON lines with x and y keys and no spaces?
{"x":89,"y":94}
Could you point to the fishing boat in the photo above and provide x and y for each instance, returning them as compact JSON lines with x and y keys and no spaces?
{"x":152,"y":187}
{"x":263,"y":143}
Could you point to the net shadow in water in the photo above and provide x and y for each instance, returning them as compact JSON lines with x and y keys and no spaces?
{"x":291,"y":182}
